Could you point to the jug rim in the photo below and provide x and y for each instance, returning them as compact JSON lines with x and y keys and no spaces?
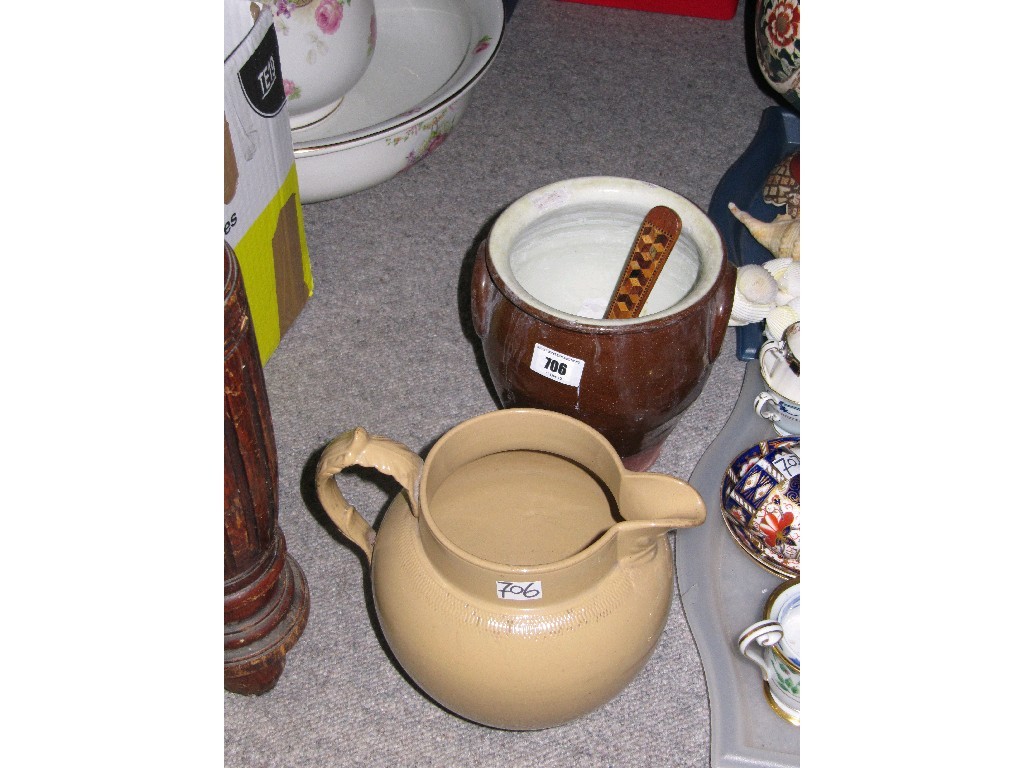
{"x":604,"y":540}
{"x":560,"y":194}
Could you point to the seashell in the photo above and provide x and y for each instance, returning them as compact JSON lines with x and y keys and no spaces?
{"x":778,"y":267}
{"x":745,"y":311}
{"x":795,"y":304}
{"x":781,"y":237}
{"x":779,"y":319}
{"x":782,"y":187}
{"x":757,"y":284}
{"x":789,"y":281}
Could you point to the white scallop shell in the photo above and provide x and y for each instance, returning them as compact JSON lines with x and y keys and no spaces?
{"x":756,"y":284}
{"x":745,"y":311}
{"x":789,"y":281}
{"x":779,"y":319}
{"x":779,"y":267}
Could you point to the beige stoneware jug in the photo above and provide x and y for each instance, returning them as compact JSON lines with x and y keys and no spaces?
{"x":524,"y":576}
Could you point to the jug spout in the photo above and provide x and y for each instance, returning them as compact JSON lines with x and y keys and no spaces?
{"x":651,"y":505}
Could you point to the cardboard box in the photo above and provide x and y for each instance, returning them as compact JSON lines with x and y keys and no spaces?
{"x":706,"y":9}
{"x":262,"y":212}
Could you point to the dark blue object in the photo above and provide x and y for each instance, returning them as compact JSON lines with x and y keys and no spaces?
{"x":510,"y":5}
{"x":777,"y":137}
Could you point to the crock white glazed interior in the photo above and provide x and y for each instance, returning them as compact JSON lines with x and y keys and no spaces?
{"x":562,"y":248}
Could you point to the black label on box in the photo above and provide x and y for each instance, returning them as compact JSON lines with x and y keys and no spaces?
{"x":260,"y":77}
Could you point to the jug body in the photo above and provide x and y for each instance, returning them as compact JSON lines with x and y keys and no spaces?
{"x":541,"y":282}
{"x":510,"y":612}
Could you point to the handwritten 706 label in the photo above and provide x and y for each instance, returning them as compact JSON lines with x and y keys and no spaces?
{"x":556,"y":366}
{"x":519,"y":590}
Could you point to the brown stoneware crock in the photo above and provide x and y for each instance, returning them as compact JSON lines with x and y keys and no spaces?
{"x":542,"y":281}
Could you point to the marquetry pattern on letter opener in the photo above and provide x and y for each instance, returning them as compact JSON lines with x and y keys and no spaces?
{"x":654,"y":242}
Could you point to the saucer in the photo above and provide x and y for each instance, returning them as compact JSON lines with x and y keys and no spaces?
{"x":761,"y":504}
{"x":784,"y":711}
{"x":428,"y":57}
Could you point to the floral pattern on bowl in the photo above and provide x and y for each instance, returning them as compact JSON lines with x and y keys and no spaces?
{"x":408,"y":103}
{"x":761,"y":504}
{"x":431,"y":133}
{"x":326,"y":46}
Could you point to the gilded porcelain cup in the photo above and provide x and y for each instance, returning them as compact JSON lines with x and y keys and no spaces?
{"x":773,"y":644}
{"x":524,"y":576}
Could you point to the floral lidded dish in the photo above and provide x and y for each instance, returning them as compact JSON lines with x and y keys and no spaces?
{"x":761,"y":504}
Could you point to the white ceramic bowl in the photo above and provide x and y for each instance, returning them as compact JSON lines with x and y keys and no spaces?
{"x":428,"y":57}
{"x":326,"y":47}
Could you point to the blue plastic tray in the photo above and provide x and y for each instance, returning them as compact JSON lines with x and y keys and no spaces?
{"x":777,"y":137}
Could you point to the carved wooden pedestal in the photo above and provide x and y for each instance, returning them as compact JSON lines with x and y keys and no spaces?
{"x":266,"y":600}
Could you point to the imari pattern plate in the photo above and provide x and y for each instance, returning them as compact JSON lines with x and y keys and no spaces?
{"x":761,"y":504}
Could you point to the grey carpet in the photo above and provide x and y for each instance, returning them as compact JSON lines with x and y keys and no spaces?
{"x":385,"y":343}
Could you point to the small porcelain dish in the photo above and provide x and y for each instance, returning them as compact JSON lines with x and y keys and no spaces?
{"x":429,"y":55}
{"x":761,"y":504}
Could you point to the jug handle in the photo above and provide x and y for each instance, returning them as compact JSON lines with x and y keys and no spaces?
{"x":357,"y":446}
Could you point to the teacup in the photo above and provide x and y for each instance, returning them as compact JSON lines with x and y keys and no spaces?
{"x":542,"y":281}
{"x":780,"y":369}
{"x":774,"y":645}
{"x":326,"y":47}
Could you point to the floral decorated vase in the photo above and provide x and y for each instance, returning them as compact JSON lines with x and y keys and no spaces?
{"x":326,"y":46}
{"x":777,"y":45}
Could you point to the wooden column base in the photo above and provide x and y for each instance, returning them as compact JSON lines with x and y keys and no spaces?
{"x":254,"y":656}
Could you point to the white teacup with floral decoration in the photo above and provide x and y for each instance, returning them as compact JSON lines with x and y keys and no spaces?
{"x":774,"y":645}
{"x":325,"y":46}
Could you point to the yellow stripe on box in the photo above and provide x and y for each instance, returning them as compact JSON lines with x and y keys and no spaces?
{"x":274,"y":285}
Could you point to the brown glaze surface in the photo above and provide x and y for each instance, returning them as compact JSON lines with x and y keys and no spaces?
{"x":640,"y":377}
